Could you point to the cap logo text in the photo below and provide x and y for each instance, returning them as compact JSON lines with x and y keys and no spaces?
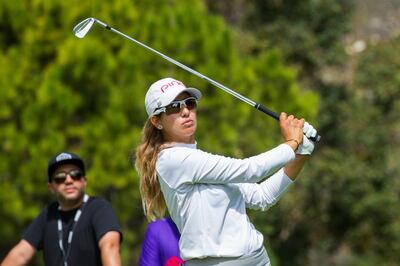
{"x":63,"y":156}
{"x":171,"y":84}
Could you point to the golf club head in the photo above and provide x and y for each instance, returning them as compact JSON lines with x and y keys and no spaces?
{"x":83,"y":27}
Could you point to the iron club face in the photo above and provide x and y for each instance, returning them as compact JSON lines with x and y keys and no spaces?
{"x":83,"y":27}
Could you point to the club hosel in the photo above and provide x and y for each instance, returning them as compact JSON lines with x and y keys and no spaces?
{"x":101,"y":23}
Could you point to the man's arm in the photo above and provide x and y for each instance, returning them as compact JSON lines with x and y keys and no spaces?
{"x":21,"y":254}
{"x":109,"y":246}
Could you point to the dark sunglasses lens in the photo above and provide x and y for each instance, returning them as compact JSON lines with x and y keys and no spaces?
{"x":60,"y":178}
{"x":76,"y":174}
{"x":191,"y":103}
{"x":173,"y":108}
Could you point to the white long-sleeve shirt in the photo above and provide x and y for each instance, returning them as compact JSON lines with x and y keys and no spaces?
{"x":207,"y":196}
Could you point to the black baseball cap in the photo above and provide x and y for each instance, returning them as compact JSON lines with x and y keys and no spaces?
{"x":64,"y":158}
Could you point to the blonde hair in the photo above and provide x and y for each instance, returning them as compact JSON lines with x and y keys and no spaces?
{"x":145,"y":163}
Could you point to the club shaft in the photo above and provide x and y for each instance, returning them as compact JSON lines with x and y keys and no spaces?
{"x":215,"y":83}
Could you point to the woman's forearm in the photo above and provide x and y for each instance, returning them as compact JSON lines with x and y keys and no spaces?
{"x":293,"y":168}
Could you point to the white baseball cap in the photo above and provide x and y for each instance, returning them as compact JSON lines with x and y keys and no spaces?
{"x":163,"y":92}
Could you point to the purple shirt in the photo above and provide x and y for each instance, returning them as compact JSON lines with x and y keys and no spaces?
{"x":161,"y":244}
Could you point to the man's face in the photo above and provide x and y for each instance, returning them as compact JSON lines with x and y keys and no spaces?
{"x":68,"y":184}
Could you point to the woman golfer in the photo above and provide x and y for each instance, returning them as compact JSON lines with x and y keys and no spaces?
{"x":207,"y":194}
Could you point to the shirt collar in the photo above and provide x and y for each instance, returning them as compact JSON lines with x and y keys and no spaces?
{"x":186,"y":145}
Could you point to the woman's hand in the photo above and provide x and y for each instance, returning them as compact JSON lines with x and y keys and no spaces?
{"x":291,"y":130}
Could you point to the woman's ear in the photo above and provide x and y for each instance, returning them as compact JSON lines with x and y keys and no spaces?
{"x":155,"y":121}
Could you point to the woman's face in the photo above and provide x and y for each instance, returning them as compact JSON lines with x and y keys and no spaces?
{"x":179,"y":126}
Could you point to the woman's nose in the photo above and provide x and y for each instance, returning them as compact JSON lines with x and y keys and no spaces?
{"x":184,"y":111}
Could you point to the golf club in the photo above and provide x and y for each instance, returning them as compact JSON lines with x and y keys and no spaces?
{"x":82,"y":28}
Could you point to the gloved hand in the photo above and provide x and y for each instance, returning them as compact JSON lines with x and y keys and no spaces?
{"x":307,"y":146}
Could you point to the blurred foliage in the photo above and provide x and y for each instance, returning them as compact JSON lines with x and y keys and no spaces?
{"x":58,"y":93}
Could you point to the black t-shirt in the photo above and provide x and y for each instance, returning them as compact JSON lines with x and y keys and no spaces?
{"x":96,"y":219}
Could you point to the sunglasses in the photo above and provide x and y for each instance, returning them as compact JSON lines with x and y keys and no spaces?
{"x":176,"y":106}
{"x":60,"y":177}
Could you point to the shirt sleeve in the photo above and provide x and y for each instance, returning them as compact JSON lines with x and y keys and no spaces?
{"x":104,"y":219}
{"x":263,"y":196}
{"x":150,"y":255}
{"x":179,"y":165}
{"x":35,"y":231}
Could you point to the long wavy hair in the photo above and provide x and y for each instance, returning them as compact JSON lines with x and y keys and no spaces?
{"x":145,"y":163}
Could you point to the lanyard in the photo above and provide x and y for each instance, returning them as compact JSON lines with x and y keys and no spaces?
{"x":60,"y":231}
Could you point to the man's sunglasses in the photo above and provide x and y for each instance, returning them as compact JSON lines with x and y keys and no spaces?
{"x":60,"y":177}
{"x":176,"y":106}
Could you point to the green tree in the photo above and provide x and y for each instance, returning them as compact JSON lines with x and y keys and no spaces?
{"x":309,"y":33}
{"x":349,"y":205}
{"x":377,"y":143}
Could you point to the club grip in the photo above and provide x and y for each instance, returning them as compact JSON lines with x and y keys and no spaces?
{"x":274,"y":115}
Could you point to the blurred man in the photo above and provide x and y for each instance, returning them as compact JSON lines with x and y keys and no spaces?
{"x":74,"y":230}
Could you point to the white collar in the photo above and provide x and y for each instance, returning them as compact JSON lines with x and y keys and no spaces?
{"x":181,"y":144}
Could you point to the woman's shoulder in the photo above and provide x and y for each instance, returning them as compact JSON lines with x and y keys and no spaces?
{"x":177,"y":154}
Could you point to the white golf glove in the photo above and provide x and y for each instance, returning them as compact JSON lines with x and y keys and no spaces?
{"x":307,"y":146}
